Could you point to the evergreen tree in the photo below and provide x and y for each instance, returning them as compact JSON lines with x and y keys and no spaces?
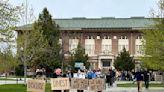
{"x":42,"y":47}
{"x":124,"y":62}
{"x":80,"y":57}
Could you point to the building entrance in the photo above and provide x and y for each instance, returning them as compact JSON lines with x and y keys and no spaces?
{"x":106,"y":63}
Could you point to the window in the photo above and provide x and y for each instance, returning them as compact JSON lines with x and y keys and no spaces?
{"x":139,"y":45}
{"x":123,"y":42}
{"x":106,"y":46}
{"x":139,"y":50}
{"x":89,"y":46}
{"x":107,"y":37}
{"x":73,"y":43}
{"x":123,"y":37}
{"x":106,"y":62}
{"x":89,"y":37}
{"x":140,"y":37}
{"x":121,"y":47}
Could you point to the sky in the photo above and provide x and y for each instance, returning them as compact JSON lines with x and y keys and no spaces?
{"x":92,"y":8}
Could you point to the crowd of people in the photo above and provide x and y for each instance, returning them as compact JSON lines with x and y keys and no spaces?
{"x":110,"y":76}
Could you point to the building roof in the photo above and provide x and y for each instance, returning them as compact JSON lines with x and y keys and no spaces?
{"x":106,"y":22}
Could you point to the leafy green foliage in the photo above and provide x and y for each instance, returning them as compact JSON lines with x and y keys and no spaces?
{"x":124,"y":62}
{"x":154,"y":44}
{"x":42,"y":47}
{"x":8,"y":19}
{"x":7,"y":61}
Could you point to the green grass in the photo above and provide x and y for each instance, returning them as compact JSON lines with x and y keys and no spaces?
{"x":22,"y":88}
{"x":7,"y":79}
{"x":135,"y":85}
{"x":18,"y":88}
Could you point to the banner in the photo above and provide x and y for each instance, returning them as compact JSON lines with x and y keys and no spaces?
{"x":79,"y":84}
{"x":36,"y":85}
{"x":79,"y":65}
{"x":96,"y":84}
{"x":60,"y":83}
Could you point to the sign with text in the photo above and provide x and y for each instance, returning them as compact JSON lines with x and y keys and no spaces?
{"x":36,"y":85}
{"x":79,"y":84}
{"x":60,"y":83}
{"x":158,"y":78}
{"x":96,"y":84}
{"x":79,"y":65}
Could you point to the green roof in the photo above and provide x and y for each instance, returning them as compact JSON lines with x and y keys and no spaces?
{"x":79,"y":23}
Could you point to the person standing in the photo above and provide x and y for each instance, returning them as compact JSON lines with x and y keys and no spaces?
{"x":58,"y":74}
{"x":146,"y":78}
{"x":109,"y":77}
{"x":139,"y":79}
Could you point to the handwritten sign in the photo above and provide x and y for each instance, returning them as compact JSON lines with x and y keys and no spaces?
{"x":60,"y":83}
{"x":79,"y":84}
{"x":36,"y":86}
{"x":158,"y":78}
{"x":96,"y":84}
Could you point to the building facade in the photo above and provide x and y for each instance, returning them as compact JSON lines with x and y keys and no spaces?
{"x":103,"y":38}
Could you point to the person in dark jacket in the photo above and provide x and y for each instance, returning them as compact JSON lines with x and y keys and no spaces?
{"x":109,"y":77}
{"x":146,"y":78}
{"x":139,"y":79}
{"x":57,"y":74}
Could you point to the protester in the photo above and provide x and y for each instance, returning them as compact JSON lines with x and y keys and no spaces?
{"x":58,"y":74}
{"x":69,"y":74}
{"x":146,"y":78}
{"x":91,"y":74}
{"x":109,"y":77}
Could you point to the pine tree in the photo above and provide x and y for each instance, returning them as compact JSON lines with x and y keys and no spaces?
{"x":80,"y":57}
{"x":42,"y":46}
{"x":124,"y":62}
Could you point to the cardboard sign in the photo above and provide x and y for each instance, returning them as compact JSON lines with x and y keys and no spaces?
{"x":36,"y":86}
{"x":60,"y":83}
{"x":158,"y":78}
{"x":79,"y":84}
{"x":96,"y":84}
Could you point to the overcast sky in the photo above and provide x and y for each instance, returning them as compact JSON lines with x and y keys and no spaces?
{"x":92,"y":8}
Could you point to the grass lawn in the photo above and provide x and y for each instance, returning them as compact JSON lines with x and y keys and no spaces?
{"x":7,"y":79}
{"x":22,"y":88}
{"x":135,"y":85}
{"x":18,"y":88}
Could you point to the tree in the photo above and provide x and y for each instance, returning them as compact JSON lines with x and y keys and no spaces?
{"x":154,"y":44}
{"x":8,"y":19}
{"x":124,"y":62}
{"x":79,"y":56}
{"x":42,"y":47}
{"x":8,"y":60}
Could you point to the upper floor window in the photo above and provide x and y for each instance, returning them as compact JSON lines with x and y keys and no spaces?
{"x":123,"y":37}
{"x":107,"y":37}
{"x":73,"y":43}
{"x":139,"y":37}
{"x":89,"y":46}
{"x":89,"y":37}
